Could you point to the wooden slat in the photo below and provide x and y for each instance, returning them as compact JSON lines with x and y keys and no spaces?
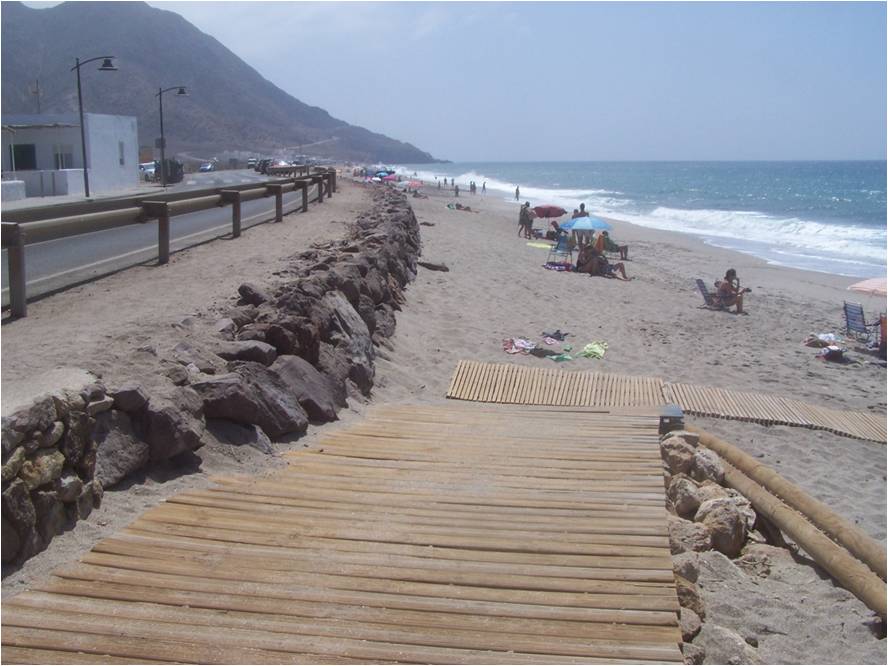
{"x":423,"y":534}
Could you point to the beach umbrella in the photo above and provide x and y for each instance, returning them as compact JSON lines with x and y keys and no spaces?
{"x":415,"y":183}
{"x":586,"y":223}
{"x":390,"y":177}
{"x":549,"y":211}
{"x":873,"y":287}
{"x":382,"y":174}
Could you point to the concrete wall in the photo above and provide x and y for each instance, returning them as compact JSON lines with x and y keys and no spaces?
{"x":103,"y":136}
{"x":13,"y":190}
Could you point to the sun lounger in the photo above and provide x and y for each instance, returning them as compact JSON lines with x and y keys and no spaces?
{"x":708,"y":297}
{"x":855,"y":323}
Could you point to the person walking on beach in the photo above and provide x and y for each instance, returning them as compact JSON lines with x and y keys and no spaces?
{"x":484,"y":187}
{"x":456,"y":191}
{"x":517,"y":193}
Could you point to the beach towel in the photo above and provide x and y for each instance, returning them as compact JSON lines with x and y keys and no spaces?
{"x":554,"y":266}
{"x":517,"y":345}
{"x":557,"y":335}
{"x":560,"y":358}
{"x":594,"y":350}
{"x":539,"y":244}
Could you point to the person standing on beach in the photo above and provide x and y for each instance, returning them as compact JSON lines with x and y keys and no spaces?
{"x":517,"y":193}
{"x":456,"y":190}
{"x":484,"y":187}
{"x":525,"y":220}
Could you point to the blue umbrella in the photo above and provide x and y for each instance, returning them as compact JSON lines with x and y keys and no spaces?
{"x":586,"y":224}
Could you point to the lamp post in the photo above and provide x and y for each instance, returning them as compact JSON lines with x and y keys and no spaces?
{"x":107,"y":66}
{"x":180,"y":90}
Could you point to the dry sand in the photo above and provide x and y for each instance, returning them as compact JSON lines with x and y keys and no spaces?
{"x":496,"y":288}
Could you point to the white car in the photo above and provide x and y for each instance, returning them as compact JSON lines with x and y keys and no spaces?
{"x":208,"y":166}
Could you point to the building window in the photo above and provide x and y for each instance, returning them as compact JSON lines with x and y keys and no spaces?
{"x":120,"y":152}
{"x":63,"y":155}
{"x":23,"y":156}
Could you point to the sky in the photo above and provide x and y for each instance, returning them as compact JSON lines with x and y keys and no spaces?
{"x":506,"y":81}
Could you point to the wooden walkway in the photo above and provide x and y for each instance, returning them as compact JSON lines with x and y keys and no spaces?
{"x":514,"y":384}
{"x":455,"y":535}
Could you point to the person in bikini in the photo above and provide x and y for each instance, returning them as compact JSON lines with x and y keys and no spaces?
{"x":729,"y":293}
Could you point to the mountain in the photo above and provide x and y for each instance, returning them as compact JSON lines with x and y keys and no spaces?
{"x":230,"y":106}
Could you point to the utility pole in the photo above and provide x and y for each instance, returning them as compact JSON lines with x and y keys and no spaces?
{"x":36,"y":91}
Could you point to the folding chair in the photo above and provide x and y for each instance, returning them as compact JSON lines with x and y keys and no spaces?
{"x":708,"y":296}
{"x":855,"y":323}
{"x":562,"y":248}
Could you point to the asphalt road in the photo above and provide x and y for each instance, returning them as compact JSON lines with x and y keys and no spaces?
{"x":55,"y":265}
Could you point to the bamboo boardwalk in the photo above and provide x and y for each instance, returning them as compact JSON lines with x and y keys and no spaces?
{"x":454,"y":535}
{"x":513,"y":384}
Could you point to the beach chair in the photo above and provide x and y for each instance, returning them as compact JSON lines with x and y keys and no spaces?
{"x":855,"y":323}
{"x":561,"y":251}
{"x":708,"y":296}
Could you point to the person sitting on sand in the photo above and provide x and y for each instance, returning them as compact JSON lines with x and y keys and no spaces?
{"x":729,"y":293}
{"x":593,"y":262}
{"x":604,"y":244}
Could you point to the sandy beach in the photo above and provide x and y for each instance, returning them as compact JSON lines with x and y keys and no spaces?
{"x":497,"y":288}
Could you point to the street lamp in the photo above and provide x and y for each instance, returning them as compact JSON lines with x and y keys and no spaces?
{"x":180,"y":90}
{"x":107,"y":66}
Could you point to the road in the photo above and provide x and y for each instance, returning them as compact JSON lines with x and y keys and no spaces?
{"x":58,"y":264}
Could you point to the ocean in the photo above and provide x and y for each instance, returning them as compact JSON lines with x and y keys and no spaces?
{"x":822,"y":216}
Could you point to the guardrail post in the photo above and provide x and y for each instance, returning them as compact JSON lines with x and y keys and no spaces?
{"x":234,"y":198}
{"x":333,"y":180}
{"x":331,"y":188}
{"x":319,"y":180}
{"x":160,"y":210}
{"x":278,"y":191}
{"x":304,"y":186}
{"x":14,"y":242}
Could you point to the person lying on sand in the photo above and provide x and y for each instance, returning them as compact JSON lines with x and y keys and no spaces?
{"x":729,"y":293}
{"x":604,"y":244}
{"x":593,"y":262}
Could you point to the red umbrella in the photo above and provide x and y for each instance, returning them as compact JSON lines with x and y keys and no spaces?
{"x":549,"y":211}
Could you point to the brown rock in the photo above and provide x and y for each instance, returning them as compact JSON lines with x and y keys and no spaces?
{"x":119,"y":451}
{"x":690,"y":624}
{"x":77,"y":434}
{"x":99,"y":406}
{"x":689,"y":596}
{"x":686,"y":565}
{"x":707,"y":466}
{"x":248,"y":350}
{"x":724,"y":646}
{"x":682,"y":492}
{"x":314,"y":391}
{"x":693,"y":654}
{"x":14,"y":464}
{"x":685,"y":536}
{"x":726,"y":525}
{"x":678,"y":454}
{"x":39,"y":415}
{"x":45,"y":467}
{"x":251,"y":294}
{"x":130,"y":397}
{"x":52,"y":435}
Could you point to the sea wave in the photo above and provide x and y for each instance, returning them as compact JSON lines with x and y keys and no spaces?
{"x":849,"y":249}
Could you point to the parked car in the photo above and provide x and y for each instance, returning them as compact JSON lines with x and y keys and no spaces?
{"x":251,"y":163}
{"x":207,"y":166}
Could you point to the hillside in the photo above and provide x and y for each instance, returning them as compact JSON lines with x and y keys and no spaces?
{"x":230,"y":105}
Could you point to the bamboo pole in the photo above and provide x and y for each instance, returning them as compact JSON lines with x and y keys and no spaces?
{"x":858,"y":543}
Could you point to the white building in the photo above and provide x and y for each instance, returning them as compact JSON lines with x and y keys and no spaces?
{"x":44,"y":152}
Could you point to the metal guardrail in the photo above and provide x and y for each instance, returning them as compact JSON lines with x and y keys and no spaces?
{"x":45,"y":223}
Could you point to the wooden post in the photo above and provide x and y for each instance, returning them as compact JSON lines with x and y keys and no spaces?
{"x":234,"y":198}
{"x":333,"y":180}
{"x":14,"y":242}
{"x":278,"y":191}
{"x":319,"y":181}
{"x":160,"y":210}
{"x":329,"y":180}
{"x":304,"y":197}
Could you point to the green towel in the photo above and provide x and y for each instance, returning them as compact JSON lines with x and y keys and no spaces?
{"x":558,"y":358}
{"x":594,"y":350}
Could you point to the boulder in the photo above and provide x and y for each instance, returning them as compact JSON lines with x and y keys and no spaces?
{"x":52,"y":435}
{"x":253,"y":331}
{"x":51,"y":514}
{"x":119,"y":451}
{"x":176,"y":374}
{"x":248,"y":350}
{"x":367,"y":311}
{"x":686,"y":536}
{"x":677,"y":454}
{"x":710,"y":490}
{"x":92,"y":392}
{"x":11,"y":438}
{"x":313,"y":390}
{"x":724,"y":646}
{"x":39,"y":415}
{"x":333,"y":363}
{"x":14,"y":465}
{"x":682,"y":492}
{"x":707,"y":466}
{"x":691,"y":438}
{"x":85,"y":502}
{"x":44,"y":467}
{"x":101,"y":405}
{"x":689,"y":596}
{"x":345,"y":278}
{"x":235,"y":434}
{"x":283,"y":340}
{"x":686,"y":565}
{"x":18,"y":508}
{"x":693,"y":654}
{"x":253,"y":395}
{"x":130,"y":397}
{"x":172,"y":424}
{"x":251,"y":294}
{"x":726,"y":525}
{"x":77,"y":435}
{"x":10,"y":542}
{"x":187,"y":354}
{"x":226,"y":328}
{"x":242,"y":315}
{"x":690,"y":624}
{"x":68,"y":487}
{"x":345,"y":318}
